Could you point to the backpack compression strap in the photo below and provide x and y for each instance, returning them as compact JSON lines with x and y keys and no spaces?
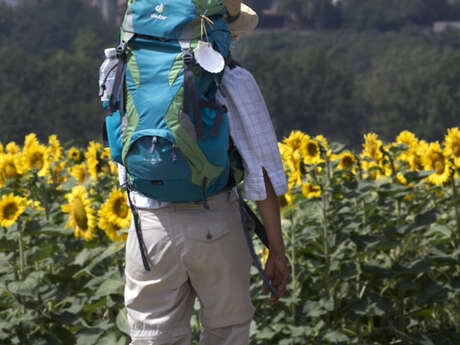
{"x":191,"y":99}
{"x":137,"y":225}
{"x":221,"y":110}
{"x":120,"y":76}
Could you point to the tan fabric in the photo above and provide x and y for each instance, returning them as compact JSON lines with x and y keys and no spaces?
{"x":243,"y":18}
{"x":192,"y":252}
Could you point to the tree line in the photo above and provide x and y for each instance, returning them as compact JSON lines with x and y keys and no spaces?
{"x":340,"y":83}
{"x":381,"y":15}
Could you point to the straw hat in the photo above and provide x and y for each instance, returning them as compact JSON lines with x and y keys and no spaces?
{"x":241,"y":18}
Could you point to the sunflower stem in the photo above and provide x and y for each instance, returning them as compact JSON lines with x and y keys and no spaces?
{"x":457,"y":213}
{"x":21,"y":253}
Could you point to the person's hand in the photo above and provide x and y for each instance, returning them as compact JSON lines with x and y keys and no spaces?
{"x":276,"y":270}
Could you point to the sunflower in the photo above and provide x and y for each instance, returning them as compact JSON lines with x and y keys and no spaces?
{"x":79,"y":172}
{"x":408,"y":138}
{"x":311,"y":191}
{"x":10,"y":167}
{"x":295,"y":139}
{"x":310,"y":151}
{"x":116,"y":208}
{"x":347,"y":161}
{"x":436,"y":160}
{"x":54,"y":148}
{"x":371,"y":147}
{"x":287,"y":199}
{"x":93,"y":159}
{"x":452,"y":145}
{"x":30,"y":140}
{"x":401,"y":179}
{"x":111,"y":230}
{"x":295,"y":179}
{"x":81,"y":215}
{"x":106,"y":153}
{"x":11,"y":207}
{"x":414,"y":157}
{"x":35,"y":156}
{"x":56,"y":173}
{"x":36,"y":205}
{"x":115,"y":215}
{"x":372,"y":170}
{"x":2,"y":150}
{"x":292,"y":162}
{"x":74,"y":154}
{"x":12,"y":147}
{"x":113,"y":167}
{"x":323,"y":141}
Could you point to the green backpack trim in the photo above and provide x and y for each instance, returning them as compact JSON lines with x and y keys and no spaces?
{"x":187,"y":143}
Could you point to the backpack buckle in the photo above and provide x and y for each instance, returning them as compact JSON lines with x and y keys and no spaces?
{"x":187,"y":56}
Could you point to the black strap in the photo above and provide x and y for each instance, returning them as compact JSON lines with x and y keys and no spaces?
{"x":259,"y":228}
{"x":221,"y":110}
{"x":191,"y":99}
{"x":120,"y":75}
{"x":137,"y":225}
{"x":117,"y":84}
{"x":255,"y":258}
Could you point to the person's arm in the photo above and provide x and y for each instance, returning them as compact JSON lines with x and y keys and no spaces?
{"x":276,"y":267}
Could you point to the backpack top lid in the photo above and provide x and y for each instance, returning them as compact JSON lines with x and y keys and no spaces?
{"x":169,"y":19}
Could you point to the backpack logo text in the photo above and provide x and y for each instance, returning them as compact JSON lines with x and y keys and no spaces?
{"x":158,"y":14}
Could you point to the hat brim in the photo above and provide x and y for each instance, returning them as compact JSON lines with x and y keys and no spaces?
{"x":246,"y":21}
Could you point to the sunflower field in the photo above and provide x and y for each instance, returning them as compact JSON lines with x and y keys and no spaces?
{"x":373,"y":244}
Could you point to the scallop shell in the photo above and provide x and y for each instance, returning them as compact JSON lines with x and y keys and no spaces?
{"x":209,"y":59}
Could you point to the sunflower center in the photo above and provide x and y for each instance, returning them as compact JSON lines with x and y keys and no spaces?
{"x":312,"y":149}
{"x":439,"y":166}
{"x":120,"y":208}
{"x":79,"y":213}
{"x":10,"y":171}
{"x":347,"y":162}
{"x":36,"y":160}
{"x":10,"y":210}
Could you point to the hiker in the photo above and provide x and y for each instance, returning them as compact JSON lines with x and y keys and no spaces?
{"x":188,"y":242}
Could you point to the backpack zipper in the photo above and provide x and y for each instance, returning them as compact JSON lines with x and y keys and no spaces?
{"x":154,"y":142}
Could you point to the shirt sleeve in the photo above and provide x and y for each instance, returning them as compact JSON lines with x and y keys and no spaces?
{"x":253,"y":134}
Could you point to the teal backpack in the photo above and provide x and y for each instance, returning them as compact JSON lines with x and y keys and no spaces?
{"x":165,"y":125}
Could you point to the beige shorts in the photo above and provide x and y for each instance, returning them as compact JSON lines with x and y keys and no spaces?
{"x":192,"y":252}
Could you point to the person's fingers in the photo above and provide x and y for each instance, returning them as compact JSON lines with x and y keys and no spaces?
{"x":269,"y":273}
{"x":280,"y":278}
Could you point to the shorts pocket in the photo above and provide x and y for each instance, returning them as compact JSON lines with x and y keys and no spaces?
{"x":211,"y":232}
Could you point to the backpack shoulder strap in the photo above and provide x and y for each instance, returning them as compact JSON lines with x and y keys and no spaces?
{"x":120,"y":74}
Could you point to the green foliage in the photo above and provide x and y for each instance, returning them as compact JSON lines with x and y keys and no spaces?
{"x":50,"y":56}
{"x":372,"y":262}
{"x":54,"y":288}
{"x":313,"y":13}
{"x":394,"y":14}
{"x":303,"y":87}
{"x":381,"y":15}
{"x":342,"y":84}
